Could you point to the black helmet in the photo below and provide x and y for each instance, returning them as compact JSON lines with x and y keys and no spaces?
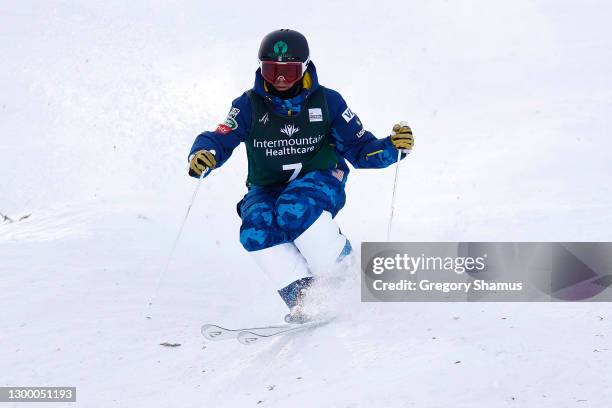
{"x":284,"y":46}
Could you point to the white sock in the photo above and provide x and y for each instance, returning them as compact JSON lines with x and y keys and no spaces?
{"x":321,"y":244}
{"x":283,"y":264}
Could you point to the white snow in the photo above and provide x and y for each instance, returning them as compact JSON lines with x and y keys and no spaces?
{"x":99,"y":105}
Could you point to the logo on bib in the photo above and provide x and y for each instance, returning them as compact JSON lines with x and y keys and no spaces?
{"x":315,"y":115}
{"x":290,"y":130}
{"x":264,"y":119}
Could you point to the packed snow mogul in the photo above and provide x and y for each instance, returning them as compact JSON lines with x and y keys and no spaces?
{"x":298,"y":135}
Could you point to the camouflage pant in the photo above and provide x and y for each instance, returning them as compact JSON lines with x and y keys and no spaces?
{"x":274,"y":215}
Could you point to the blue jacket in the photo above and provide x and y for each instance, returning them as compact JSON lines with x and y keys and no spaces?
{"x":352,"y":142}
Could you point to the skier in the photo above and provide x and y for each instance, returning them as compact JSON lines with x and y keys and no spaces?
{"x":297,"y":135}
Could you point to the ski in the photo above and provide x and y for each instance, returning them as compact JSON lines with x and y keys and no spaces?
{"x":248,"y":337}
{"x":214,"y":332}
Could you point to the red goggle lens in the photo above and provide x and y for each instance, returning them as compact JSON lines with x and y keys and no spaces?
{"x":291,"y":71}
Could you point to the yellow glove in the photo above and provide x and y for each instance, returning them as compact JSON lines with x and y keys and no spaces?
{"x":402,"y":136}
{"x":200,"y":161}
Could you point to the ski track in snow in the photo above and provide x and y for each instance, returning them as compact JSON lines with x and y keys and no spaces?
{"x":100,"y":103}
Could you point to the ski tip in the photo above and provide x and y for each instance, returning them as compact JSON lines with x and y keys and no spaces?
{"x":247,"y":338}
{"x":211,"y":332}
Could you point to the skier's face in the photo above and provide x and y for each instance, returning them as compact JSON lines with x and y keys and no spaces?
{"x":282,"y":75}
{"x":281,"y":84}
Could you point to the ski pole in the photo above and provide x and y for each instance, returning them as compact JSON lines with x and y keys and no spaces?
{"x":178,"y":236}
{"x":397,"y":166}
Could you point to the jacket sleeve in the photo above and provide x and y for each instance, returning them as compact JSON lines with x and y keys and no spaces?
{"x":357,"y":145}
{"x":228,"y":134}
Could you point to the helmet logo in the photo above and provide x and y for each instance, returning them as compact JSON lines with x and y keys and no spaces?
{"x":280,"y":48}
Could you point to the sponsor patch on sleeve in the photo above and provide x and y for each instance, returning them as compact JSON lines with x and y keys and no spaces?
{"x":348,"y":115}
{"x":230,"y":123}
{"x":233,"y":113}
{"x":223,"y":129}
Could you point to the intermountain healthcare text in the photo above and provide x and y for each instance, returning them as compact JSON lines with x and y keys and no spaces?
{"x":283,"y":147}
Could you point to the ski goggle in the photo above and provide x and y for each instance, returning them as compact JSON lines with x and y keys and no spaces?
{"x":291,"y":71}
